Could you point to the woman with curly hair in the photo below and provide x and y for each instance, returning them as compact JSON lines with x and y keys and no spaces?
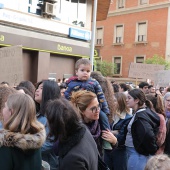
{"x":107,"y":90}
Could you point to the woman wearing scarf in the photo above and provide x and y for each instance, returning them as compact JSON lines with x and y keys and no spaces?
{"x":88,"y":107}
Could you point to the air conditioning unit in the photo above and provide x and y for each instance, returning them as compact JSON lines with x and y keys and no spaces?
{"x":52,"y":1}
{"x":50,"y":9}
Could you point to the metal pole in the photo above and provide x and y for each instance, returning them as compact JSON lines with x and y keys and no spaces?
{"x":93,"y":33}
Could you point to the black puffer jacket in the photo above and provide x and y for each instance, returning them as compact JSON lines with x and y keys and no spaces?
{"x":144,"y":130}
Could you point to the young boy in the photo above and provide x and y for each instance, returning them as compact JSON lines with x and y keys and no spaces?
{"x":83,"y":81}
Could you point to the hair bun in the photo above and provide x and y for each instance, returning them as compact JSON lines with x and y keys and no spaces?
{"x":74,"y":98}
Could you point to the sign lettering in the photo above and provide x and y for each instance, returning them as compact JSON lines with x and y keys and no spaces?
{"x":64,"y":48}
{"x":2,"y":38}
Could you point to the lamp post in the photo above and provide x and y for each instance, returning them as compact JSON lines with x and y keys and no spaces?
{"x":93,"y":33}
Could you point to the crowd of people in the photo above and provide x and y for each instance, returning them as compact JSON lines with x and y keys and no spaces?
{"x":81,"y":122}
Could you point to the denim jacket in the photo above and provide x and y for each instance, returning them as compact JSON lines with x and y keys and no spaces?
{"x":121,"y":126}
{"x":47,"y":151}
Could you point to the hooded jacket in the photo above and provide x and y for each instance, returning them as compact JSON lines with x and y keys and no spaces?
{"x":144,"y":132}
{"x":21,"y":151}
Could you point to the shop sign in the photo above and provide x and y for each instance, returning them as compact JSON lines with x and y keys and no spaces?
{"x":45,"y":45}
{"x":79,"y":34}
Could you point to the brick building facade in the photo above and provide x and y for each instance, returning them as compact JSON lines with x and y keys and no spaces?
{"x":134,"y":31}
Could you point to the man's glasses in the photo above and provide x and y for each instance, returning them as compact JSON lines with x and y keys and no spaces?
{"x":95,"y":109}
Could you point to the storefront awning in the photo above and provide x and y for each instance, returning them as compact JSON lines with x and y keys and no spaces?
{"x":102,"y":9}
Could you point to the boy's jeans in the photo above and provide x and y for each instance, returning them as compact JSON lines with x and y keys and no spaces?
{"x":103,"y":120}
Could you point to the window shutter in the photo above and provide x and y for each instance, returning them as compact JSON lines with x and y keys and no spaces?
{"x":142,"y":29}
{"x":117,"y":60}
{"x":120,"y":3}
{"x":143,"y":1}
{"x":99,"y":33}
{"x":139,"y":59}
{"x":142,"y":32}
{"x":119,"y":31}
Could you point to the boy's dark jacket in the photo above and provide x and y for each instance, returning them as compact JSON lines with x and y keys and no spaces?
{"x":73,"y":84}
{"x":144,"y":131}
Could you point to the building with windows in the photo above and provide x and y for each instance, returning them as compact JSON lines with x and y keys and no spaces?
{"x":134,"y":31}
{"x":53,"y":33}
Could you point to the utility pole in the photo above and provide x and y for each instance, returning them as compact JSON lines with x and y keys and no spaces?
{"x":93,"y":33}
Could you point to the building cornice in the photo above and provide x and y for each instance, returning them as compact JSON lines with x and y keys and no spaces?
{"x":102,"y":9}
{"x":142,"y":8}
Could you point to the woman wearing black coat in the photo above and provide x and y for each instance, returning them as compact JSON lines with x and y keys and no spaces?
{"x":76,"y":149}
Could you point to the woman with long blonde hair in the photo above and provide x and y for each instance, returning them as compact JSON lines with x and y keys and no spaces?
{"x":5,"y":91}
{"x":22,"y":136}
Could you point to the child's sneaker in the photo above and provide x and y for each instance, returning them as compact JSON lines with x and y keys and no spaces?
{"x":106,"y":145}
{"x":45,"y":165}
